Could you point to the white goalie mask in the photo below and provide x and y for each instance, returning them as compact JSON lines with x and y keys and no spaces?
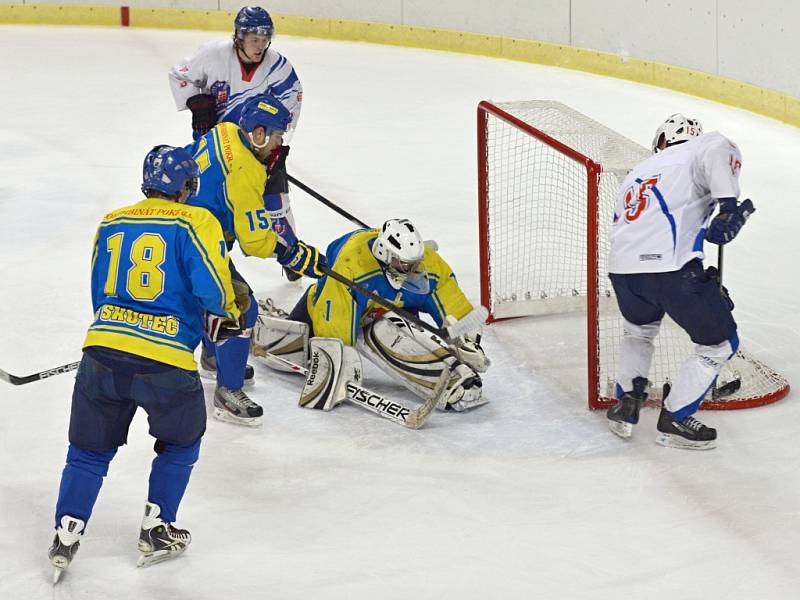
{"x":676,"y":129}
{"x":399,"y":249}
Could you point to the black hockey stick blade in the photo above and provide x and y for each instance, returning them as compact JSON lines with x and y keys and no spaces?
{"x":726,"y":389}
{"x":21,"y":380}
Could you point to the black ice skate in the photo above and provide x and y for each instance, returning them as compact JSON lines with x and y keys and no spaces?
{"x":158,"y":540}
{"x":625,"y":413}
{"x":234,"y":406}
{"x":208,"y":367}
{"x":689,"y":433}
{"x":65,"y":544}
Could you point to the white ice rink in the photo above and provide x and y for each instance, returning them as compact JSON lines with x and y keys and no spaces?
{"x":528,"y":497}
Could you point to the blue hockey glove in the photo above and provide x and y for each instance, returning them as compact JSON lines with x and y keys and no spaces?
{"x":730,"y":219}
{"x":301,"y":258}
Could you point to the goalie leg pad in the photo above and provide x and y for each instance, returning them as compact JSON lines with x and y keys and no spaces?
{"x":416,"y":359}
{"x":273,"y":336}
{"x":332,"y":366}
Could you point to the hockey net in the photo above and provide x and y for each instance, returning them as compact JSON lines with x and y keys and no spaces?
{"x":548,"y":178}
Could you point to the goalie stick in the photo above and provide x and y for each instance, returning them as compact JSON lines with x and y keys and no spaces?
{"x":23,"y":379}
{"x":413,"y":418}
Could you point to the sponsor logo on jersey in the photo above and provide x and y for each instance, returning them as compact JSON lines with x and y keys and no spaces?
{"x":166,"y":324}
{"x":645,"y":257}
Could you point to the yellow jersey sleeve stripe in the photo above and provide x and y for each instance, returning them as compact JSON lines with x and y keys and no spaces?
{"x":218,"y":151}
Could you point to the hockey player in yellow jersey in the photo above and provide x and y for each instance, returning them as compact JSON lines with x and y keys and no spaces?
{"x":232,"y":184}
{"x":159,"y":278}
{"x":396,"y":264}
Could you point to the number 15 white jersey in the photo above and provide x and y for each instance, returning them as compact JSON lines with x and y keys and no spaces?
{"x":665,"y":202}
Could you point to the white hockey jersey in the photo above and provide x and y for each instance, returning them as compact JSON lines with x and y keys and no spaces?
{"x":215,"y":69}
{"x":664,"y":204}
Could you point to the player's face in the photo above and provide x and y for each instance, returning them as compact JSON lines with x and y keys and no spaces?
{"x":268,"y":144}
{"x":254,"y":46}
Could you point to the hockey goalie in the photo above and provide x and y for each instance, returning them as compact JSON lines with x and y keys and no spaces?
{"x":334,"y":325}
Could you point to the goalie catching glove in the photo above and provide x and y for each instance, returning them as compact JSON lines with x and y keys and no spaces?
{"x":301,"y":258}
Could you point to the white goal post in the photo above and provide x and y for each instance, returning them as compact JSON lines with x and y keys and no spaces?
{"x":547,"y":181}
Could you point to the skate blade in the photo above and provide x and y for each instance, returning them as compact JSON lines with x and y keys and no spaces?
{"x":223,"y":415}
{"x":675,"y":441}
{"x":57,"y":572}
{"x":212,"y":376}
{"x":621,"y":429}
{"x":148,"y":559}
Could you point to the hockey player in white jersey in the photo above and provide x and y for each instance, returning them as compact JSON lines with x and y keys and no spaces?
{"x":217,"y":81}
{"x":661,"y":219}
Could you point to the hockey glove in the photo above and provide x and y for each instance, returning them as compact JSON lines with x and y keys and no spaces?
{"x":204,"y":112}
{"x":713,"y":274}
{"x":730,"y":219}
{"x":301,"y":258}
{"x":219,"y":329}
{"x":467,"y":348}
{"x":242,"y":292}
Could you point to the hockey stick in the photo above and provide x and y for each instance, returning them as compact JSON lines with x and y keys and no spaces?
{"x":413,"y":418}
{"x":21,"y":380}
{"x":473,"y":321}
{"x":732,"y":386}
{"x":326,"y":202}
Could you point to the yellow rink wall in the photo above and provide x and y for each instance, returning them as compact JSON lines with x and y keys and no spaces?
{"x":759,"y":100}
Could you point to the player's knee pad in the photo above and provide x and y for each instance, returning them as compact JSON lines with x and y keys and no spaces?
{"x":416,"y":359}
{"x":95,"y":463}
{"x":715,"y":357}
{"x":180,"y":455}
{"x":646,"y":333}
{"x":276,"y":340}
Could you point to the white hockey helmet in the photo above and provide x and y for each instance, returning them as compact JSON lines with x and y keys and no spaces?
{"x":399,"y":248}
{"x":676,"y":129}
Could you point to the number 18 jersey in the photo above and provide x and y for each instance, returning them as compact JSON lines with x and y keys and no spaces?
{"x":664,"y":204}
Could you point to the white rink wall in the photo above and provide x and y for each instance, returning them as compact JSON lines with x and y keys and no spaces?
{"x":753,"y":42}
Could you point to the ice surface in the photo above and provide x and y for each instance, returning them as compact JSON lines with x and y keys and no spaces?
{"x":528,"y":497}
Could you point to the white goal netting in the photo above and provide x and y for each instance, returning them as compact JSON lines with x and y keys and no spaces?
{"x":548,"y":179}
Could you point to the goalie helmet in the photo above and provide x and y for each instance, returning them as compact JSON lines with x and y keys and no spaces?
{"x":169,"y":171}
{"x":676,"y":129}
{"x":252,"y":19}
{"x":399,"y":249}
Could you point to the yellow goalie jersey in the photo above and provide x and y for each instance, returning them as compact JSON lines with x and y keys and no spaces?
{"x":337,"y":311}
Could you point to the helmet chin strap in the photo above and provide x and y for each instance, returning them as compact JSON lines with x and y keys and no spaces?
{"x":253,"y":142}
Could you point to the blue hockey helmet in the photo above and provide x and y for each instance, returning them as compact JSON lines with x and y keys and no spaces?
{"x":252,"y":19}
{"x":169,"y":170}
{"x":265,"y":111}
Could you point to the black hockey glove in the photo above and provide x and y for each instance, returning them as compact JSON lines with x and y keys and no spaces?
{"x":277,"y":183}
{"x":204,"y":112}
{"x":301,"y":258}
{"x":713,"y":274}
{"x":730,"y":219}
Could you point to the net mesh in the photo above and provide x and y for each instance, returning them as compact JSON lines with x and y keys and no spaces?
{"x":535,"y":209}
